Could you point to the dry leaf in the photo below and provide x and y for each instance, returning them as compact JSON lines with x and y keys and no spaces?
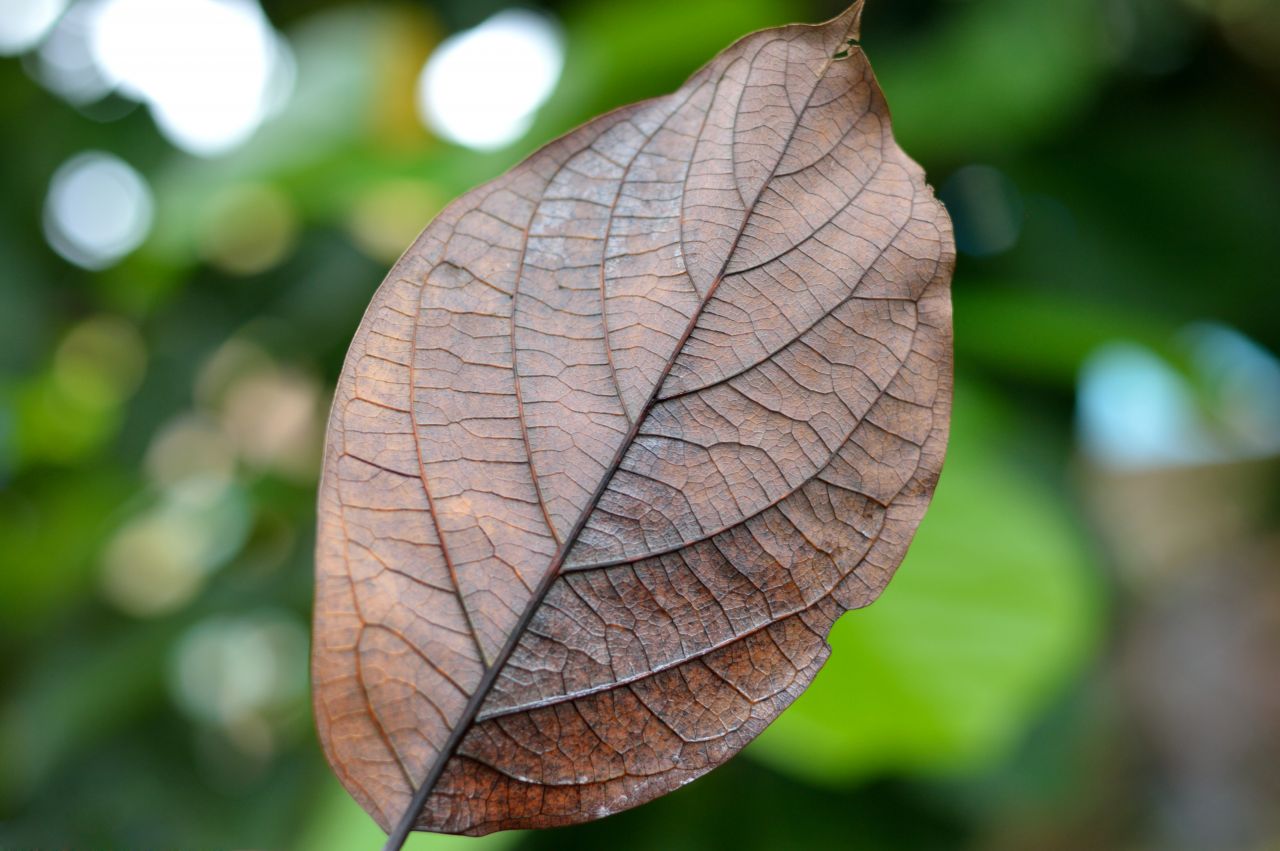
{"x":621,"y":436}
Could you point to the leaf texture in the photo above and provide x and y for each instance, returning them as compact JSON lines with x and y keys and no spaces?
{"x":620,"y":437}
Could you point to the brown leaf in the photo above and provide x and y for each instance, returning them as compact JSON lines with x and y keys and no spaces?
{"x":621,"y":436}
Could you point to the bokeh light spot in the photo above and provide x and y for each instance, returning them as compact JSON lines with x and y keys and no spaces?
{"x":272,"y":415}
{"x":190,"y":446}
{"x":227,"y":667}
{"x":100,"y":362}
{"x":1243,"y":384}
{"x":273,"y":420}
{"x":481,"y":88}
{"x":208,"y":69}
{"x":248,"y":229}
{"x":64,"y":63}
{"x":1135,"y":410}
{"x":389,"y":217}
{"x":98,"y":210}
{"x":159,"y":560}
{"x":239,"y":673}
{"x":24,"y":22}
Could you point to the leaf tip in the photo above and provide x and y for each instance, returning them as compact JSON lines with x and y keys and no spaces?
{"x":849,"y":23}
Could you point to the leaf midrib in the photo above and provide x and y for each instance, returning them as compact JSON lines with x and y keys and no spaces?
{"x":471,"y":711}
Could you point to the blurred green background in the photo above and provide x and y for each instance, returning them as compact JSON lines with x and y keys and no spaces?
{"x":200,"y":196}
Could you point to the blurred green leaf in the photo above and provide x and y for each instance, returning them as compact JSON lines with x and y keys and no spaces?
{"x":52,"y":528}
{"x":994,"y":75}
{"x":1025,"y":333}
{"x":84,"y":688}
{"x":627,"y":50}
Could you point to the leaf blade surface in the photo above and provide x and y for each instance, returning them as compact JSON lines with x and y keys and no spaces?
{"x":621,"y":436}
